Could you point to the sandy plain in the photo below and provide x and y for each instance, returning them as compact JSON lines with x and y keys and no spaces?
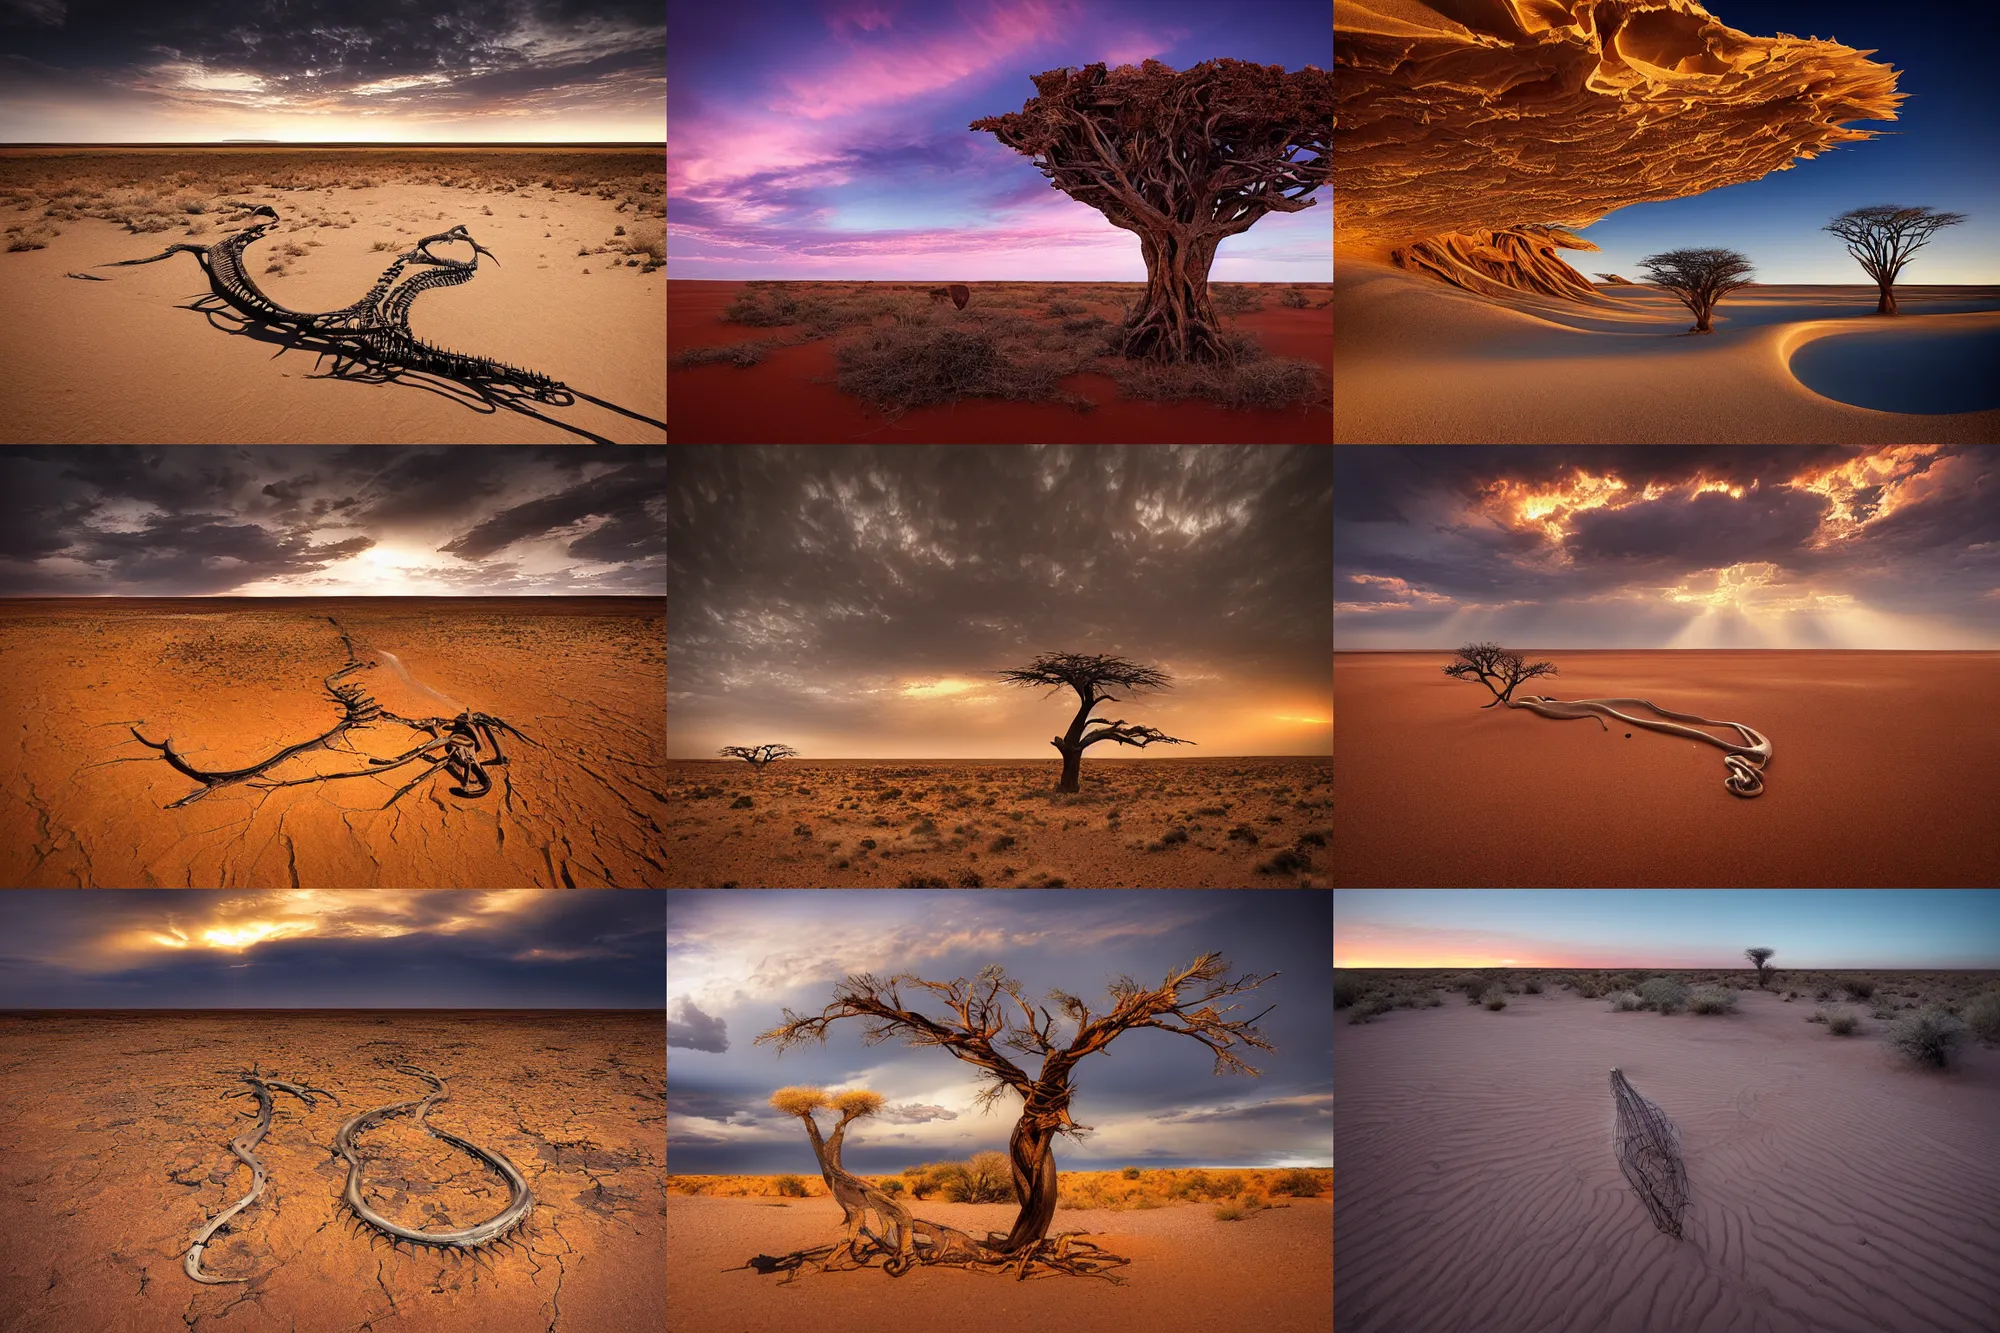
{"x":1000,"y":824}
{"x":789,"y":397}
{"x":115,"y":1150}
{"x":1271,"y":1271}
{"x":233,"y":681}
{"x":1879,"y":776}
{"x":1834,"y":1187}
{"x":118,"y":361}
{"x":1419,"y":362}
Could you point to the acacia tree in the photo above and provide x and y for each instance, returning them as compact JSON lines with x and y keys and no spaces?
{"x":1883,"y":237}
{"x":1093,"y":677}
{"x":758,"y":755}
{"x":1759,"y":956}
{"x":990,"y":1012}
{"x":1494,"y":667}
{"x":1699,"y":278}
{"x":1182,"y":159}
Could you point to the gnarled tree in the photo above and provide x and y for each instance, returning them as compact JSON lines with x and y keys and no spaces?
{"x":1760,"y":957}
{"x":1495,"y":668}
{"x":1698,"y":279}
{"x":1182,"y":159}
{"x":1883,"y":238}
{"x":757,"y":755}
{"x":1093,"y":677}
{"x":991,"y":1012}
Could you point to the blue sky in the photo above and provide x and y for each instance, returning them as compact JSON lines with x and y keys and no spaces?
{"x":737,"y":960}
{"x":1939,"y":152}
{"x":1907,"y":929}
{"x":316,"y":949}
{"x":828,"y":138}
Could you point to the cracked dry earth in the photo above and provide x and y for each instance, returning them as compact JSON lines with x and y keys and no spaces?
{"x":116,"y":1149}
{"x":84,"y":805}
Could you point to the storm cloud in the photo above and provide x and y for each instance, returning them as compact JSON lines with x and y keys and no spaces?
{"x":1684,"y":546}
{"x":306,"y":520}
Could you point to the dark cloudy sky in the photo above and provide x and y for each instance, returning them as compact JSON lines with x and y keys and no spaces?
{"x":477,"y":71}
{"x":854,"y":602}
{"x":736,"y":961}
{"x":295,"y":520}
{"x":1669,"y":547}
{"x":306,"y":949}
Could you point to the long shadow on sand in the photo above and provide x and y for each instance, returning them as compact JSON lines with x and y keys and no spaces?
{"x":474,"y":395}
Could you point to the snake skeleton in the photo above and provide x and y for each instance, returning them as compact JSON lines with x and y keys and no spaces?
{"x":1745,"y":762}
{"x":520,"y":1202}
{"x":373,"y":332}
{"x":261,"y":1088}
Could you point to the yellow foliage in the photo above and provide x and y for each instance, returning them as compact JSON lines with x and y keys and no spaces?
{"x":799,"y":1100}
{"x":858,"y":1101}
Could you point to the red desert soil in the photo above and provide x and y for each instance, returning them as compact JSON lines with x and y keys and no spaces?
{"x":1834,"y":1187}
{"x":1879,"y":774}
{"x":115,"y":1150}
{"x":1271,"y":1272}
{"x":999,"y":824}
{"x":790,"y":398}
{"x":232,"y":682}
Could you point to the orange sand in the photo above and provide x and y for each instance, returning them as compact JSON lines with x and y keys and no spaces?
{"x":790,"y":397}
{"x":996,"y":823}
{"x":1417,"y":361}
{"x":1881,"y":775}
{"x":1834,"y":1187}
{"x":1271,"y":1271}
{"x":117,"y":1150}
{"x":118,"y":362}
{"x":234,"y":681}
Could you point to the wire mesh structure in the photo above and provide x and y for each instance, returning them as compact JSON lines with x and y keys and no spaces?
{"x":1649,"y":1152}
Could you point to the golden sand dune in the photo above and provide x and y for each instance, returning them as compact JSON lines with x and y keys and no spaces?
{"x":1487,"y":117}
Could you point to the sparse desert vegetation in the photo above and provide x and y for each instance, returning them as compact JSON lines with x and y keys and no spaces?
{"x":984,"y":1179}
{"x":1135,"y":824}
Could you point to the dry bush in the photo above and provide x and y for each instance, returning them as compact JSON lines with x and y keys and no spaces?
{"x":1250,"y":381}
{"x":1712,"y":1000}
{"x":1494,"y":999}
{"x":1982,"y":1015}
{"x":649,"y":239}
{"x":1930,"y":1036}
{"x":791,"y":1187}
{"x":1235,"y":299}
{"x":1664,"y":994}
{"x":1842,"y":1024}
{"x":1294,"y":298}
{"x":735,"y":354}
{"x":922,"y":365}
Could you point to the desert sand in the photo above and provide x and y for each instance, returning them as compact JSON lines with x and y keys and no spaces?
{"x":116,"y":1149}
{"x":1140,"y":823}
{"x":232,"y":682}
{"x":789,"y":396}
{"x":1270,"y":1271}
{"x":1834,"y":1187}
{"x":1420,"y":362}
{"x":570,"y":295}
{"x":1880,"y":774}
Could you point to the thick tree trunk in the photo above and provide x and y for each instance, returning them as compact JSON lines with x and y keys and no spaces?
{"x":1072,"y":768}
{"x":1887,"y":305}
{"x":1175,"y":321}
{"x":1034,"y":1163}
{"x":1701,"y":315}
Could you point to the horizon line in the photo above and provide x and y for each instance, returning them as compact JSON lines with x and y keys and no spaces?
{"x":300,"y":596}
{"x":334,"y":143}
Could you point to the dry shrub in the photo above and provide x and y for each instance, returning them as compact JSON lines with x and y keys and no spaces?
{"x":735,"y":354}
{"x":648,"y":238}
{"x":1293,"y":298}
{"x":1252,"y":381}
{"x":923,"y":365}
{"x":1930,"y":1036}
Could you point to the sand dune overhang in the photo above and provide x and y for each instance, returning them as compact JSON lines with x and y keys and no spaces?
{"x":1469,"y":132}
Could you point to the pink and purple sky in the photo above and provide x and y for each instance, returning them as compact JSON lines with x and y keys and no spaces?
{"x":827,"y":138}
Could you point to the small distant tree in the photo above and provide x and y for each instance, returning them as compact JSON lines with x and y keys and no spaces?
{"x":1093,"y":678}
{"x":1883,"y":237}
{"x":758,"y":755}
{"x":1699,"y":278}
{"x":1759,"y":956}
{"x":1495,"y":668}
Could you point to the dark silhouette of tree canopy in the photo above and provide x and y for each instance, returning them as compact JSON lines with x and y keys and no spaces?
{"x":1760,"y":956}
{"x":1182,"y":159}
{"x":1093,"y":677}
{"x":1495,"y":667}
{"x":1883,"y":237}
{"x":991,"y":1012}
{"x":758,"y":755}
{"x":1699,"y":278}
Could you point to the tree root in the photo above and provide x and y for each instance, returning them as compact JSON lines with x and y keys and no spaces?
{"x":937,"y":1244}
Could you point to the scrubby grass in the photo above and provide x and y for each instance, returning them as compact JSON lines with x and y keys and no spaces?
{"x":1368,"y":1009}
{"x":1858,"y":988}
{"x":1712,"y":1000}
{"x":1842,"y":1024}
{"x":1347,"y":988}
{"x":1253,"y":380}
{"x":924,"y":364}
{"x":1664,"y":994}
{"x":1494,"y":999}
{"x":1626,"y":1001}
{"x":1531,"y":987}
{"x":1982,"y":1015}
{"x":734,"y":354}
{"x":1930,"y":1036}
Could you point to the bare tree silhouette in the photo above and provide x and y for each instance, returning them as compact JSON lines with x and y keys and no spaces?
{"x":1760,"y":956}
{"x":1699,"y":278}
{"x":1182,"y":159}
{"x":1494,"y":667}
{"x":1093,"y":677}
{"x":991,"y":1011}
{"x":1883,"y":237}
{"x":757,"y":755}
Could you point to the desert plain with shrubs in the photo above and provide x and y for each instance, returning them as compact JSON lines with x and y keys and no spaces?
{"x":1834,"y":1128}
